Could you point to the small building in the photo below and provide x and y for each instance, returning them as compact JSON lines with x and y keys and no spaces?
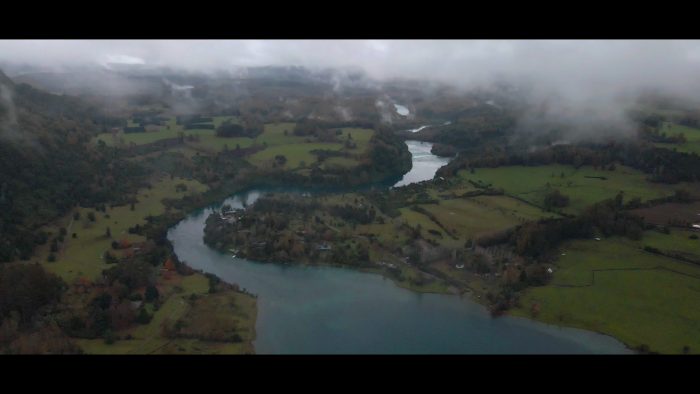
{"x":459,"y":266}
{"x":324,"y":247}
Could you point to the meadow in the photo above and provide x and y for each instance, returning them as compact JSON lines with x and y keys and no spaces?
{"x":83,"y":256}
{"x":297,"y":155}
{"x":298,"y":150}
{"x":471,"y":218}
{"x":677,"y":240}
{"x":583,"y":186}
{"x":692,"y":136}
{"x":614,"y":287}
{"x":277,"y":139}
{"x":171,"y":129}
{"x":179,"y":292}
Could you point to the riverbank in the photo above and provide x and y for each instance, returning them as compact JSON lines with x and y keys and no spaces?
{"x":120,"y":253}
{"x":189,"y":246}
{"x":322,"y":310}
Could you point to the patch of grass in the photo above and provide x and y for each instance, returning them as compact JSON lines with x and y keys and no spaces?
{"x":673,"y":129}
{"x":298,"y":149}
{"x":211,"y":142}
{"x":533,"y":183}
{"x":218,"y":120}
{"x":474,"y":217}
{"x":359,"y":136}
{"x":676,"y":241}
{"x":83,"y":256}
{"x":692,"y":135}
{"x":274,"y":135}
{"x":295,"y":154}
{"x":221,"y":317}
{"x":642,"y":299}
{"x":149,"y":338}
{"x":207,"y":137}
{"x":122,"y":139}
{"x":339,"y":162}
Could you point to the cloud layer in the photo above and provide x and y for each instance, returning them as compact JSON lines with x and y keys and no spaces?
{"x":575,"y":79}
{"x":569,"y":64}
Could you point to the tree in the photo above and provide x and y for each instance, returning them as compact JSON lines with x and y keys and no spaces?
{"x":169,"y":265}
{"x":555,"y":199}
{"x":26,"y":288}
{"x":91,"y":216}
{"x":280,"y":160}
{"x":151,"y":293}
{"x":143,"y":317}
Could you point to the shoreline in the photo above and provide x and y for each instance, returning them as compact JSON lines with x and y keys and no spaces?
{"x":461,"y":289}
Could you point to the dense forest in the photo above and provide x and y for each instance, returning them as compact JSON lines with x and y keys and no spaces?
{"x":49,"y":166}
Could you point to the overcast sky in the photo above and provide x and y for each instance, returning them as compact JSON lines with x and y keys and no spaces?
{"x":581,"y":78}
{"x":575,"y":68}
{"x":456,"y":59}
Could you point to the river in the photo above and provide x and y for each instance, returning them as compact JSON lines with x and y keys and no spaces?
{"x":327,"y":310}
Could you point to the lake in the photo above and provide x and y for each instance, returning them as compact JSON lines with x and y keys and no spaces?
{"x":327,"y":310}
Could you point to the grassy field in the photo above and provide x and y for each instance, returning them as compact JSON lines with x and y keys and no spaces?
{"x":210,"y":142}
{"x":278,"y":139}
{"x":473,"y":217}
{"x":298,"y":155}
{"x":208,"y":138}
{"x":638,"y":297}
{"x":83,"y":256}
{"x":297,"y":150}
{"x":533,"y":183}
{"x":274,"y":135}
{"x":339,"y":162}
{"x":148,"y":338}
{"x":361,"y":137}
{"x":692,"y":135}
{"x":676,"y":241}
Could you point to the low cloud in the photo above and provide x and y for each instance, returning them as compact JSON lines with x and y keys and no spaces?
{"x":591,"y":80}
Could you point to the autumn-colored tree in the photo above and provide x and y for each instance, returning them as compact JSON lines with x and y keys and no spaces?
{"x":169,"y":265}
{"x":121,"y":315}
